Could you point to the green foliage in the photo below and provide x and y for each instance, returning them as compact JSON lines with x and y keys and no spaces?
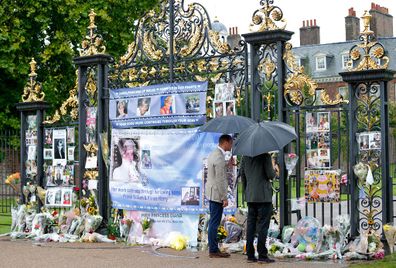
{"x":392,"y":119}
{"x":51,"y":31}
{"x":113,"y":229}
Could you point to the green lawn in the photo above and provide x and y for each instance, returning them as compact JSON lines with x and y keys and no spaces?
{"x":388,"y":262}
{"x":5,"y":223}
{"x":5,"y":218}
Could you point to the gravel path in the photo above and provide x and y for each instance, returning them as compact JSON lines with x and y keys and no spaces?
{"x":22,"y":253}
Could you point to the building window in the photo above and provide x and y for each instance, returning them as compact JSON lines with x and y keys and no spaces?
{"x":298,"y":61}
{"x":345,"y":60}
{"x":343,"y":91}
{"x":394,"y":96}
{"x":321,"y":63}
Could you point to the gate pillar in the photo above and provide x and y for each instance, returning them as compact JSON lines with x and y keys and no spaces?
{"x":267,"y":45}
{"x":93,"y":100}
{"x":371,"y":200}
{"x":32,"y":109}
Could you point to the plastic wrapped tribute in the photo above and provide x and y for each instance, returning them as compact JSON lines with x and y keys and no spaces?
{"x":307,"y":234}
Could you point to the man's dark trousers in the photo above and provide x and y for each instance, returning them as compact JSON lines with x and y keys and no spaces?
{"x":216,"y":212}
{"x":260,"y":213}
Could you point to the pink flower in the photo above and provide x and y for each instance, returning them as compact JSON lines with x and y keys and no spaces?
{"x":292,"y":155}
{"x":379,"y":255}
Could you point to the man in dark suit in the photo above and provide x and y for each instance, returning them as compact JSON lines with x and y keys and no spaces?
{"x":216,"y":192}
{"x":256,"y":173}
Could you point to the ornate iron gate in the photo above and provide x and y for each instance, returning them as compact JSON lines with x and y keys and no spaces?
{"x":9,"y":163}
{"x":179,"y":44}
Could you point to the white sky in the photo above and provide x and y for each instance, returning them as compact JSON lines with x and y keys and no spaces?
{"x":329,"y":14}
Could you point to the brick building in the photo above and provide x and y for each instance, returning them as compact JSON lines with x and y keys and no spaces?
{"x":324,"y":62}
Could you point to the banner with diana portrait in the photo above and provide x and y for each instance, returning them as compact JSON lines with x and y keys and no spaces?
{"x":181,"y":103}
{"x":159,"y":170}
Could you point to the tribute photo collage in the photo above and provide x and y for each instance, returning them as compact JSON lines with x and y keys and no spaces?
{"x":224,"y":101}
{"x":318,"y":140}
{"x":59,"y":147}
{"x":31,"y":146}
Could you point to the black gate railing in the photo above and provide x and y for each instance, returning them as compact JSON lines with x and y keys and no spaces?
{"x":9,"y":163}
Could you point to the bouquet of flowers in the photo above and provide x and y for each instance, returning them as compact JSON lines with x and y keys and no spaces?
{"x":221,"y":233}
{"x":343,"y":224}
{"x":146,"y":224}
{"x":177,"y":241}
{"x":125,"y":227}
{"x":14,"y":181}
{"x":91,"y":222}
{"x":307,"y":234}
{"x":390,"y":235}
{"x":290,"y":162}
{"x":89,"y":205}
{"x":113,"y":230}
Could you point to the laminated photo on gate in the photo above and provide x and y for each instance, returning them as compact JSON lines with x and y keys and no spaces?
{"x":224,"y":91}
{"x":369,"y":140}
{"x":59,"y":197}
{"x":322,"y":185}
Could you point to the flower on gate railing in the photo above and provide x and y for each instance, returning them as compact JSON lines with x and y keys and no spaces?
{"x":14,"y":181}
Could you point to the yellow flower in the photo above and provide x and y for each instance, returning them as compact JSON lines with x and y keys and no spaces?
{"x":387,"y":227}
{"x":91,"y":210}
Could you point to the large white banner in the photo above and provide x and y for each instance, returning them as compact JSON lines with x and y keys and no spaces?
{"x":161,"y":170}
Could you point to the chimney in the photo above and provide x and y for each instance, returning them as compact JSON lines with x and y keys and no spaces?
{"x":352,"y":25}
{"x":381,"y":21}
{"x":309,"y":33}
{"x":234,"y":38}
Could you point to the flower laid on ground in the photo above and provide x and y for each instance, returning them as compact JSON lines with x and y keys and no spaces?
{"x":113,"y":229}
{"x":379,"y":255}
{"x":232,"y":219}
{"x":221,"y":233}
{"x":177,"y":241}
{"x":390,"y":235}
{"x":125,"y":227}
{"x":146,"y":223}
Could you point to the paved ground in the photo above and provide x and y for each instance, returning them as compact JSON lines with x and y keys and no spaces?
{"x":22,"y":253}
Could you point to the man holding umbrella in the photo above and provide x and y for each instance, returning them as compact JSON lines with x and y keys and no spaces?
{"x":216,"y":192}
{"x":256,"y":173}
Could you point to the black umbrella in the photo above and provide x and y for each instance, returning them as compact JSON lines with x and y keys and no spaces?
{"x":227,"y":124}
{"x":264,"y":137}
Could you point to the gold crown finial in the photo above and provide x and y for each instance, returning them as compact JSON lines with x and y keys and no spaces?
{"x":93,"y":42}
{"x":267,"y":17}
{"x":92,"y":16}
{"x":32,"y":68}
{"x":32,"y":91}
{"x":369,"y":54}
{"x":366,"y":22}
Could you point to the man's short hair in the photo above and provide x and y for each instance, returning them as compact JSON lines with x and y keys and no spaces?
{"x":225,"y":138}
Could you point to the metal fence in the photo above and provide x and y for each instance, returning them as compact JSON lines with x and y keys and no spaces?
{"x":9,"y":163}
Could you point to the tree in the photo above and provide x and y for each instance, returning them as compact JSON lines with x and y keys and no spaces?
{"x":51,"y":31}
